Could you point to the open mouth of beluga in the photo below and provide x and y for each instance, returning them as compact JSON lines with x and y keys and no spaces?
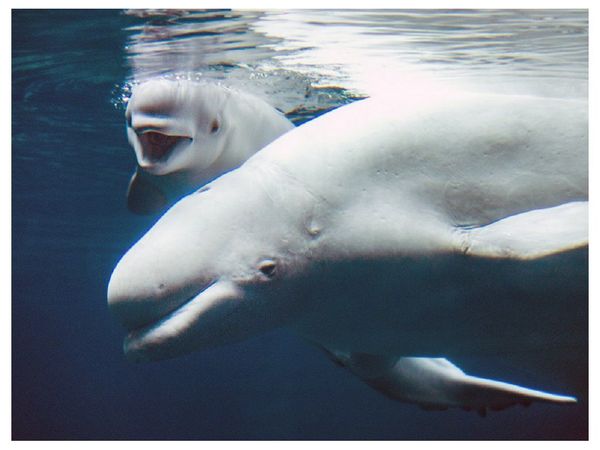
{"x":159,"y":146}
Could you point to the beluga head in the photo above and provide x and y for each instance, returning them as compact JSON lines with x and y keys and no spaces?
{"x":186,"y":133}
{"x":175,"y":125}
{"x":210,"y":271}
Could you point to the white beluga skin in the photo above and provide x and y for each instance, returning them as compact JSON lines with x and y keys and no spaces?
{"x":186,"y":133}
{"x":426,"y":225}
{"x":437,"y":384}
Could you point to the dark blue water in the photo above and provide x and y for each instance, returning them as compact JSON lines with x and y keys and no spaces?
{"x":70,"y":168}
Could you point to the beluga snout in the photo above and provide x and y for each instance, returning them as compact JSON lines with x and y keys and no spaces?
{"x":140,"y":292}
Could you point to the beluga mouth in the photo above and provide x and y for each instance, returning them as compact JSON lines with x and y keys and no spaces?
{"x":177,"y":331}
{"x":158,"y":146}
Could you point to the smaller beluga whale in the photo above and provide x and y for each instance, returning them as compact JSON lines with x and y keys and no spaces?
{"x":186,"y":133}
{"x":401,"y":235}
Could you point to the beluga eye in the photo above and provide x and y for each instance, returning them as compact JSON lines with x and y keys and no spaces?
{"x":203,"y":189}
{"x":214,"y":126}
{"x":268,"y":267}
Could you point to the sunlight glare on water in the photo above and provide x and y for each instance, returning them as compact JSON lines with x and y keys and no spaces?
{"x":309,"y":60}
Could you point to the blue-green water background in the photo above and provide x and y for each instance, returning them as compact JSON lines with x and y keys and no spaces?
{"x":71,"y":71}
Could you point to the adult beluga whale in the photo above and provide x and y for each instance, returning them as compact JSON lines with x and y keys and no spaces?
{"x":410,"y":228}
{"x":186,"y":133}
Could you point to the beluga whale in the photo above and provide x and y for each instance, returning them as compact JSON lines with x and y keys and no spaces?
{"x":186,"y":133}
{"x":401,"y":235}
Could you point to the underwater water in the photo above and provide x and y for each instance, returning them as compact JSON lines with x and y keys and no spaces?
{"x":71,"y":75}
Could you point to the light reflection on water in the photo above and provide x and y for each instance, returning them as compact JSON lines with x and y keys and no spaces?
{"x":286,"y":54}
